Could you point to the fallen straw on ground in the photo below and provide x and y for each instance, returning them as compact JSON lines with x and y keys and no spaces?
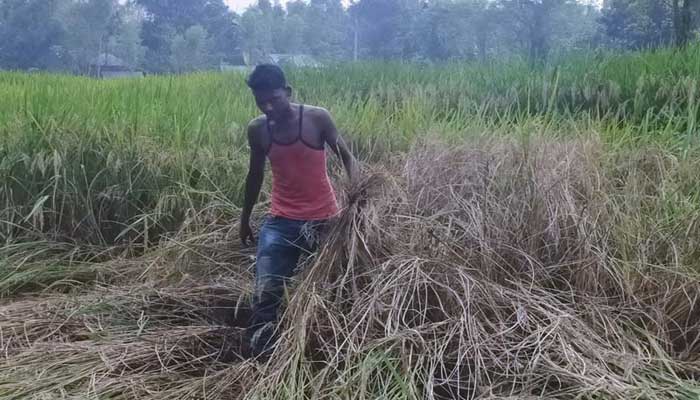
{"x":490,"y":270}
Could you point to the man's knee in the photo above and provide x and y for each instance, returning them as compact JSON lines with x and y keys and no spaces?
{"x":269,"y":290}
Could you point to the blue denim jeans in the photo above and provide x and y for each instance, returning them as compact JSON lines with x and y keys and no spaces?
{"x":281,"y":243}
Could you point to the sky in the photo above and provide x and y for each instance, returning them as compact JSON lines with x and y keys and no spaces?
{"x":241,"y":5}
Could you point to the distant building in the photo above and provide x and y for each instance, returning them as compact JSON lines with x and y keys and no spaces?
{"x":295,"y":60}
{"x":235,"y":62}
{"x":106,"y":66}
{"x":245,"y":61}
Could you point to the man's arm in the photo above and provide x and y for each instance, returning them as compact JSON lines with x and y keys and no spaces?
{"x":336,"y":143}
{"x":253,"y":183}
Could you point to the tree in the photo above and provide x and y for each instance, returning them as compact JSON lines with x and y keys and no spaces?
{"x":318,"y":27}
{"x":487,"y":33}
{"x":638,"y":23}
{"x":619,"y":19}
{"x":289,"y":35}
{"x":190,"y":51}
{"x":440,"y":31}
{"x":256,"y":29}
{"x":166,"y":19}
{"x":279,"y":28}
{"x":660,"y":17}
{"x":126,"y":43}
{"x":329,"y":38}
{"x":682,"y":21}
{"x":89,"y":26}
{"x":378,"y":26}
{"x":29,"y":33}
{"x":222,"y":29}
{"x":186,"y":35}
{"x":575,"y":27}
{"x":531,"y":21}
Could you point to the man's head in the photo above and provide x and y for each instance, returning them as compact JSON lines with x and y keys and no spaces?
{"x":269,"y":86}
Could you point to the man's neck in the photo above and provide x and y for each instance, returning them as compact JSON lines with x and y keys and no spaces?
{"x":287,"y":117}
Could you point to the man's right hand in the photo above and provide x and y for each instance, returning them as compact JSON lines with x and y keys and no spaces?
{"x":246,"y":234}
{"x":253,"y":180}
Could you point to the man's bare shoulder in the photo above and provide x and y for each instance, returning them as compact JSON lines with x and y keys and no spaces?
{"x":255,"y":132}
{"x":256,"y":124}
{"x":317,"y":113}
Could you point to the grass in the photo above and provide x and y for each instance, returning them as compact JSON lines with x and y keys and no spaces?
{"x":106,"y":162}
{"x":518,"y":234}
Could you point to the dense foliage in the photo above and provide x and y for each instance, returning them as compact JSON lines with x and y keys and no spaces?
{"x":186,"y":35}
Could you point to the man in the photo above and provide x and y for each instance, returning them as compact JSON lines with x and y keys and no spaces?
{"x":293,"y":137}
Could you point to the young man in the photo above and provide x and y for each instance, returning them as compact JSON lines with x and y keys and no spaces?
{"x":293,"y":137}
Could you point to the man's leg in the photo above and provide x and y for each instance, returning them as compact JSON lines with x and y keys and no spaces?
{"x":277,"y":257}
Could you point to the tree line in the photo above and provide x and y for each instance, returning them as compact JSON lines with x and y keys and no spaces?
{"x":161,"y":36}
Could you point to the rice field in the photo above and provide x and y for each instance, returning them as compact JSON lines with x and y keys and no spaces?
{"x":517,"y":234}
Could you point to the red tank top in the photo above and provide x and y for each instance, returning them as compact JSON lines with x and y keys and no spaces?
{"x":301,"y":189}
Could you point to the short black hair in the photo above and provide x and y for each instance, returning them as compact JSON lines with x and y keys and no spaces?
{"x":267,"y":77}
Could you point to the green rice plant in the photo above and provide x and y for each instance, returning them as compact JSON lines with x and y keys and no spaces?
{"x":120,"y":162}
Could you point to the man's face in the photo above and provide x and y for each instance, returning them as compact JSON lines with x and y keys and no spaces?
{"x":273,"y":103}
